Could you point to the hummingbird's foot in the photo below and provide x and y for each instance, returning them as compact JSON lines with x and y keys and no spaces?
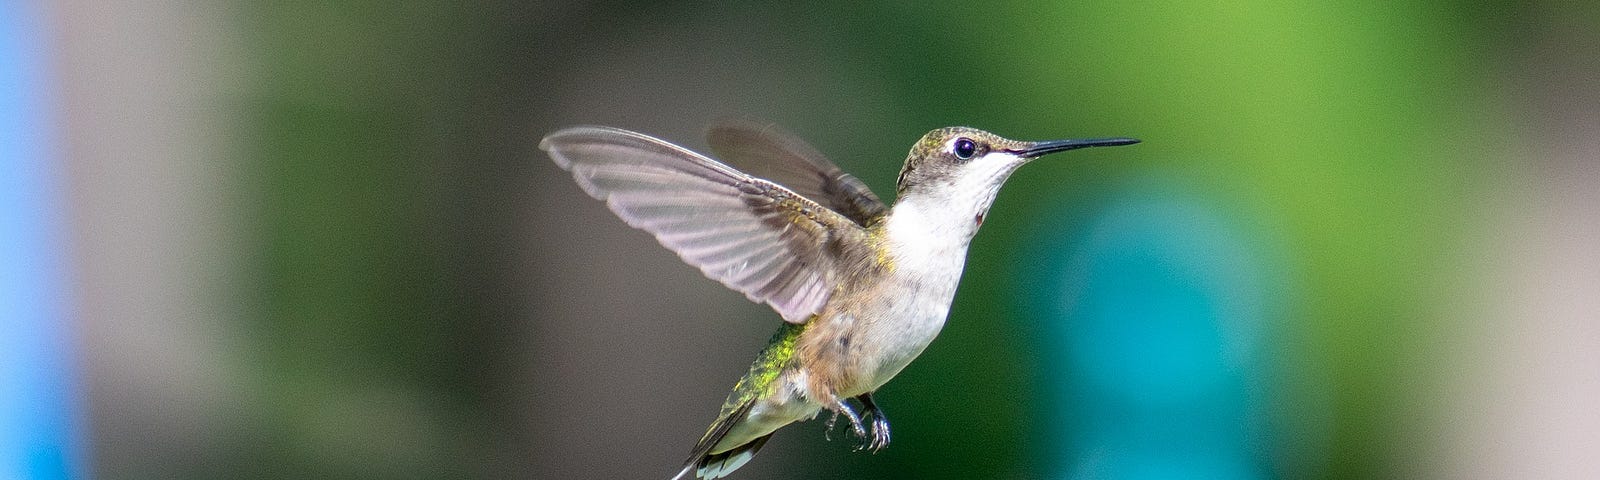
{"x":880,"y":424}
{"x":880,"y":434}
{"x":827,"y":432}
{"x":839,"y":407}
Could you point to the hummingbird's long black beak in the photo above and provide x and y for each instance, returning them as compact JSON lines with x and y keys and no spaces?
{"x":1045,"y":148}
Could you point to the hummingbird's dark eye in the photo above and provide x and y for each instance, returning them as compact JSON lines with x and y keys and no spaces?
{"x":965,"y":149}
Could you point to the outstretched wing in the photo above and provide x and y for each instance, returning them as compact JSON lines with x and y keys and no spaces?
{"x":752,"y":235}
{"x":764,"y":151}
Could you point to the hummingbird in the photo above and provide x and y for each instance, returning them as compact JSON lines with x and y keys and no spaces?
{"x":862,"y":288}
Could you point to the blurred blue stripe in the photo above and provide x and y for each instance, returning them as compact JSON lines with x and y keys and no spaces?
{"x":40,"y":405}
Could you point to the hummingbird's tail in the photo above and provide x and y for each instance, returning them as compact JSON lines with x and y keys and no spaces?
{"x":707,"y":465}
{"x":711,"y":459}
{"x":718,"y":465}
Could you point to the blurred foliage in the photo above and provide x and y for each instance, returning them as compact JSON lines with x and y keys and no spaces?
{"x":369,"y":348}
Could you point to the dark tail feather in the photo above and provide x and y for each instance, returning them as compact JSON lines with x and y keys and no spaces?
{"x":719,"y":465}
{"x":707,"y":465}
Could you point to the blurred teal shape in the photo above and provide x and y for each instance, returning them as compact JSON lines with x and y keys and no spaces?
{"x":39,"y":404}
{"x":1157,"y":320}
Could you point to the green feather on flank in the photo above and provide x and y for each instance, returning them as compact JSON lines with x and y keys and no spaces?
{"x":763,"y":374}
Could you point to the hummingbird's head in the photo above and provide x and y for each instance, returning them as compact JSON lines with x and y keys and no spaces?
{"x":962,"y":168}
{"x":950,"y":179}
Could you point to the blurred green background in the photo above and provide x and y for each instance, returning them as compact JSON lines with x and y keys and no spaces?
{"x":317,"y":239}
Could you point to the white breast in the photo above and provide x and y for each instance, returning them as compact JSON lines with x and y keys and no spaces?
{"x":928,"y":252}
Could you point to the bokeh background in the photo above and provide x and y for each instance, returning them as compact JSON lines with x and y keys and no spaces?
{"x":299,"y":239}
